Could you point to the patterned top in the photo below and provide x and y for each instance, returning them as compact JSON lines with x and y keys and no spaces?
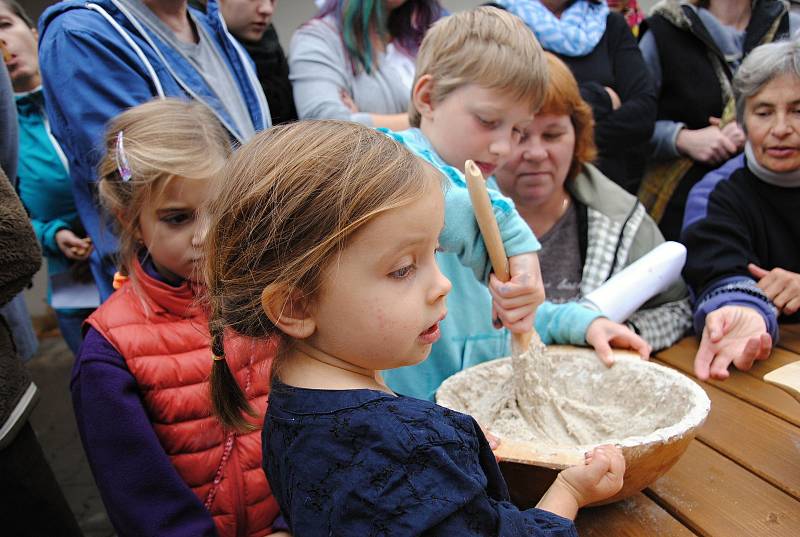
{"x":363,"y":462}
{"x":560,"y":260}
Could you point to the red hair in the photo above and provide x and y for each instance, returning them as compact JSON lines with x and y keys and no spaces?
{"x":564,"y":98}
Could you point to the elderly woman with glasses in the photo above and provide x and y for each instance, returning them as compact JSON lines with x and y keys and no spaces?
{"x":741,"y":228}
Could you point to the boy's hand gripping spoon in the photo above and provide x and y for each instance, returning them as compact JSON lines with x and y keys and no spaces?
{"x":476,"y":184}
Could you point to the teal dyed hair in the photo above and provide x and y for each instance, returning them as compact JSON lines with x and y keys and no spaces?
{"x":357,"y":18}
{"x":406,"y":26}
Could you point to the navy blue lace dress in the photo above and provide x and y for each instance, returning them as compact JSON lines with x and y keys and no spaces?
{"x":363,"y":462}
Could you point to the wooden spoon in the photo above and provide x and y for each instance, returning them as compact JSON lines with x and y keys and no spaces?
{"x":487,"y":223}
{"x":521,"y":344}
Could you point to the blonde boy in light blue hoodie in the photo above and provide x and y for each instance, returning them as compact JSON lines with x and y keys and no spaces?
{"x":480,"y":77}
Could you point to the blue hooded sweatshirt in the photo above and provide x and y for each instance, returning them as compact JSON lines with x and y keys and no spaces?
{"x":97,"y":62}
{"x":468,"y":337}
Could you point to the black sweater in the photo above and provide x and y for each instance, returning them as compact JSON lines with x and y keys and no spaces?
{"x":745,"y":220}
{"x":273,"y":73}
{"x":621,"y":135}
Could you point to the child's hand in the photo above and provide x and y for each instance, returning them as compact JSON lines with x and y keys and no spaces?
{"x":514,"y":302}
{"x":604,"y":333}
{"x":72,"y":246}
{"x":599,"y":478}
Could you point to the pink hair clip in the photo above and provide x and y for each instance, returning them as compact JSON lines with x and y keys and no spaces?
{"x":123,"y":167}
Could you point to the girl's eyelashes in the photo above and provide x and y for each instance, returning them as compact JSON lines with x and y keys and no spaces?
{"x":409,"y":269}
{"x":403,"y":272}
{"x":176,"y":219}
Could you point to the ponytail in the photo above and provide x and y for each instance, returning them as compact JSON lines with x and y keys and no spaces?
{"x":227,"y":398}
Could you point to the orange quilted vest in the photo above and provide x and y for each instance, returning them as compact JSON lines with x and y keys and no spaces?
{"x":163,"y":336}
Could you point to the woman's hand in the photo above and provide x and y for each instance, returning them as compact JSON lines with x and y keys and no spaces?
{"x":604,"y":333}
{"x":781,"y":286}
{"x":616,"y":102}
{"x":280,"y":534}
{"x":735,"y":334}
{"x":514,"y":302}
{"x":708,"y":145}
{"x":72,"y":246}
{"x":732,"y":130}
{"x":598,"y":479}
{"x":348,"y":101}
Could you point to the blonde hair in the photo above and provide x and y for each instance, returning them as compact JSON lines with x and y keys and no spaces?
{"x":292,"y":198}
{"x":485,"y":46}
{"x":163,"y":139}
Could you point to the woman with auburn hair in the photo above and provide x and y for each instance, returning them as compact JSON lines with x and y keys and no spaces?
{"x":354,"y":60}
{"x":589,"y":227}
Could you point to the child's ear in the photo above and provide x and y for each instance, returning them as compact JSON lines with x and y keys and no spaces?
{"x":288,"y":311}
{"x":422,"y":95}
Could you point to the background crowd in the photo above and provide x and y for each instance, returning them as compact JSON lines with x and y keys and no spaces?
{"x":680,"y":123}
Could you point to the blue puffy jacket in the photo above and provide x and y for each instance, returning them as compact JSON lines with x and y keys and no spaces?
{"x":96,"y":62}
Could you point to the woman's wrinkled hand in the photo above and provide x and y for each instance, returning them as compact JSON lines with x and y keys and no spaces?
{"x":732,"y":334}
{"x":781,"y":286}
{"x":708,"y":145}
{"x":732,"y":130}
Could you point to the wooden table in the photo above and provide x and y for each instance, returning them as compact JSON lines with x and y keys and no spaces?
{"x":739,"y":477}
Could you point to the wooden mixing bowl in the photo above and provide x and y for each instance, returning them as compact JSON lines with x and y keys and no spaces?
{"x":531,"y":467}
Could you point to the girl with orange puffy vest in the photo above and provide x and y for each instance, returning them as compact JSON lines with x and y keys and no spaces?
{"x":164,"y":465}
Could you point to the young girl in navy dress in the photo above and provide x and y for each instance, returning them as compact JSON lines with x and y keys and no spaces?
{"x":323,"y":233}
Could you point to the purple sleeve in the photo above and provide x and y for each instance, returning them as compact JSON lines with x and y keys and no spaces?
{"x":736,"y":291}
{"x":280,"y":524}
{"x":142,"y":491}
{"x":697,"y":203}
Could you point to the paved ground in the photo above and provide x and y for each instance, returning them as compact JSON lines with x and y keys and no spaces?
{"x":54,"y":423}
